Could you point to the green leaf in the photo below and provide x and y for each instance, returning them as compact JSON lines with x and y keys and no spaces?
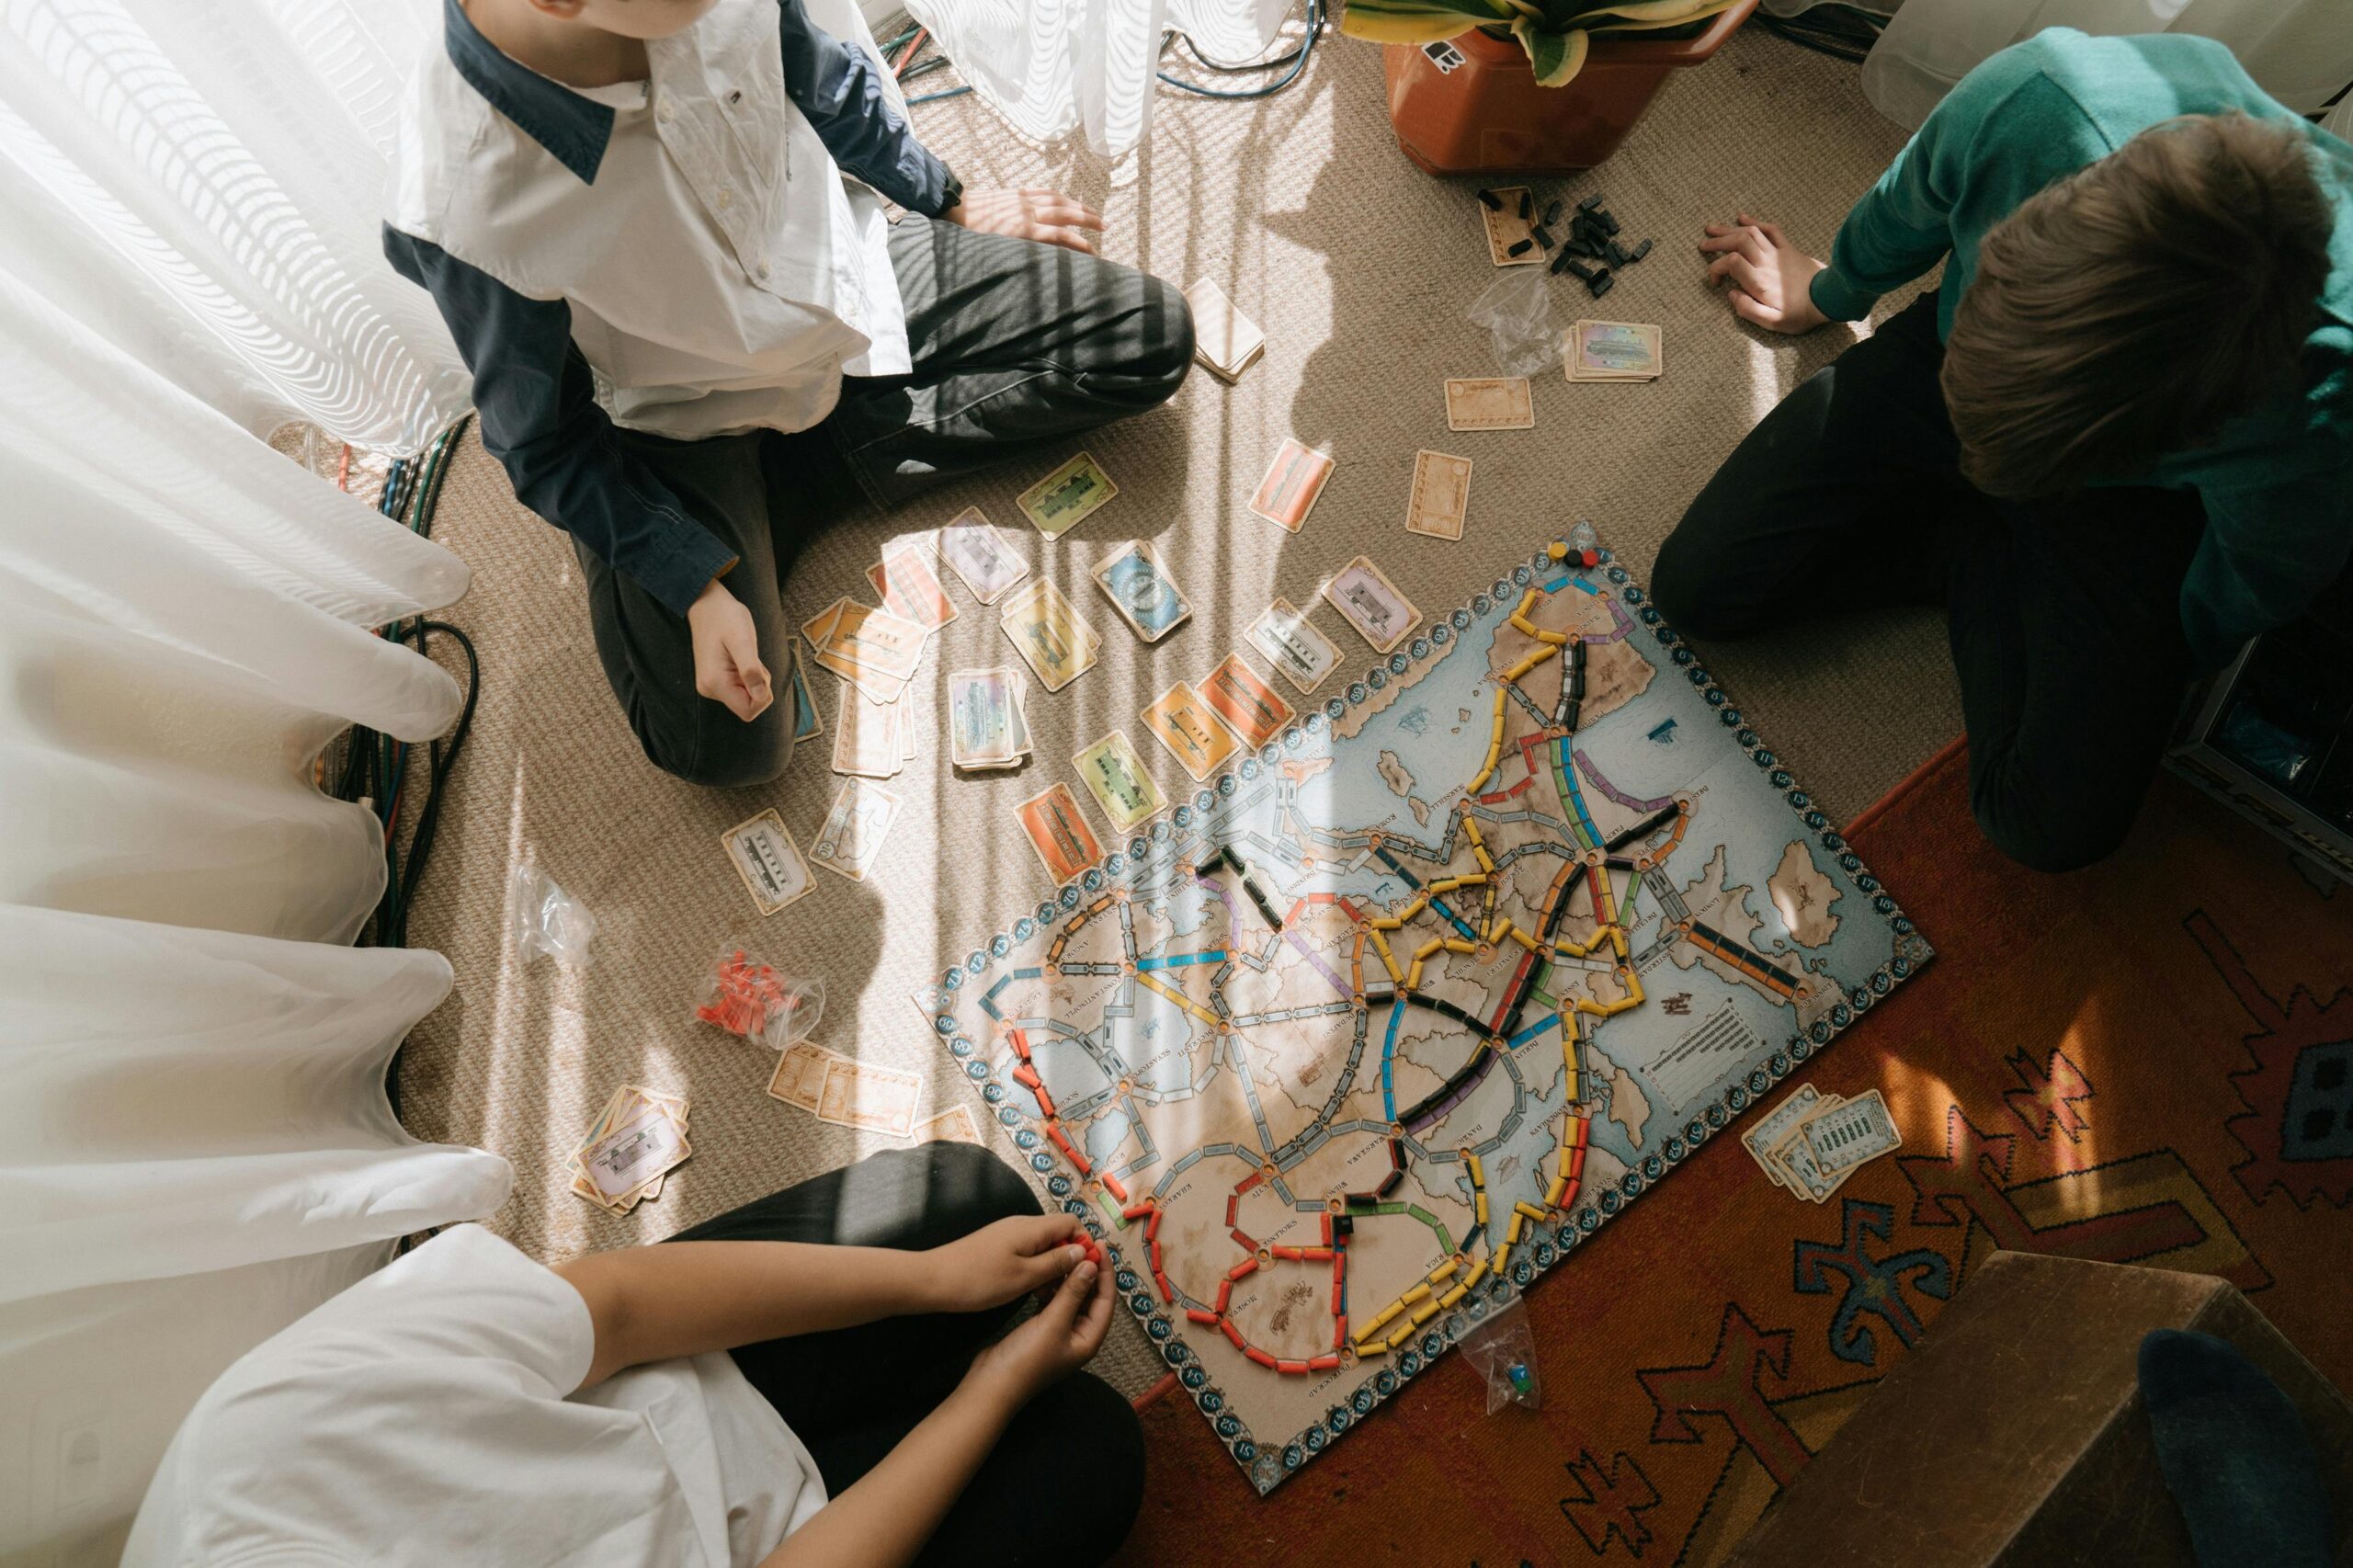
{"x":1556,"y":57}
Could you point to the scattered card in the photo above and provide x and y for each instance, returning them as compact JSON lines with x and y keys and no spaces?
{"x":1114,"y":775}
{"x":954,"y":1125}
{"x":807,"y":722}
{"x":1371,"y":602}
{"x":1287,"y":640}
{"x":871,"y":648}
{"x":985,"y":729}
{"x":1051,"y":637}
{"x":854,"y":829}
{"x":867,"y":735}
{"x":1613,"y":351}
{"x":1140,"y":587}
{"x":764,"y":855}
{"x":1440,"y":498}
{"x":1223,"y":339}
{"x":870,"y":1098}
{"x":1490,"y":403}
{"x":1059,"y":832}
{"x":1180,"y":720}
{"x":635,"y":1141}
{"x":1760,"y":1138}
{"x":801,"y":1073}
{"x":1068,"y":496}
{"x":1293,"y":482}
{"x":1845,"y":1136}
{"x":1510,"y":226}
{"x":978,"y":555}
{"x":1251,"y":708}
{"x":910,"y":588}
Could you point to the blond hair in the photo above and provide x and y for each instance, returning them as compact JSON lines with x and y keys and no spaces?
{"x":2127,"y":311}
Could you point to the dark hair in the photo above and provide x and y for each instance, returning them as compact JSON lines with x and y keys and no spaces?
{"x":2129,"y":309}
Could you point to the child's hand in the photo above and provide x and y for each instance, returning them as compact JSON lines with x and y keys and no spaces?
{"x":1004,"y":1260}
{"x":727,"y":652}
{"x":1043,"y":215}
{"x":1059,"y":1338}
{"x":1771,"y":280}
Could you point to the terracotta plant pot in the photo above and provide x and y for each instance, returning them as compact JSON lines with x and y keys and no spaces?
{"x":1472,"y":107}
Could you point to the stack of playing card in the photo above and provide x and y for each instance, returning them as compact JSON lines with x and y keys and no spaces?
{"x":1223,"y":339}
{"x":1812,"y":1142}
{"x":1613,"y":351}
{"x":640,"y":1137}
{"x":987,"y":728}
{"x":849,"y":1093}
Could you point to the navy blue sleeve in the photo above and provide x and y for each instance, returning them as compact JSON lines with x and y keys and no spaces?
{"x":535,"y":395}
{"x":838,"y":91}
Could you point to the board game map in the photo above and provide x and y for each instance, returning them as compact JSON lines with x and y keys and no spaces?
{"x":1351,"y":1044}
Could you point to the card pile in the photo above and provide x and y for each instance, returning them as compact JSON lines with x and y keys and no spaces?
{"x":845,"y":1092}
{"x":1224,"y":340}
{"x":1613,"y":351}
{"x":987,"y":727}
{"x":640,"y":1137}
{"x":1812,"y":1142}
{"x":1051,"y":637}
{"x":873,"y":649}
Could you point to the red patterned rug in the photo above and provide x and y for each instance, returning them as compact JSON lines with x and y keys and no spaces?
{"x":2148,"y":1062}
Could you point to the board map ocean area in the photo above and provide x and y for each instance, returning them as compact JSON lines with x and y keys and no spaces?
{"x":1347,"y":1047}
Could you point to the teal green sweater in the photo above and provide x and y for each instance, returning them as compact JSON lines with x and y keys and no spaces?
{"x":2278,"y":483}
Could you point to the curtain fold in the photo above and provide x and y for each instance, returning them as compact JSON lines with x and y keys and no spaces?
{"x":1051,"y":67}
{"x":193,"y":1125}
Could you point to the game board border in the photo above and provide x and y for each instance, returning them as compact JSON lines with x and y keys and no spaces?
{"x":1267,"y":1467}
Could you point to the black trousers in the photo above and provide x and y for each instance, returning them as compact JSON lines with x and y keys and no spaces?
{"x":1017,"y":346}
{"x":1064,"y":1482}
{"x":2064,"y":614}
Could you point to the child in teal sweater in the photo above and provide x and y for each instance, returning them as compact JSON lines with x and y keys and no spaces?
{"x":2113,"y":445}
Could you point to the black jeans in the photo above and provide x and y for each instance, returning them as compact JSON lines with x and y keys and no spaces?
{"x":1063,"y":1484}
{"x":2064,"y":614}
{"x":1017,"y":346}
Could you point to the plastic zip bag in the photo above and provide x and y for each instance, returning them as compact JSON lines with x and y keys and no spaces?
{"x":1517,"y":310}
{"x":543,"y":919}
{"x":750,"y":999}
{"x":1503,"y":1349}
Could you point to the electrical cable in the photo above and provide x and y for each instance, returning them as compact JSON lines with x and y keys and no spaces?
{"x":1295,"y":58}
{"x":1846,"y":32}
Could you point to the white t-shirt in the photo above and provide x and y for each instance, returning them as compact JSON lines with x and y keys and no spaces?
{"x":428,"y":1414}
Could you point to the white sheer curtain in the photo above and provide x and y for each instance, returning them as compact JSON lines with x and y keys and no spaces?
{"x":194,"y":1137}
{"x":204,"y":178}
{"x":2301,"y":51}
{"x":1053,"y":66}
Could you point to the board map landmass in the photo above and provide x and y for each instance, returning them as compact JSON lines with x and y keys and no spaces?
{"x":1349,"y":1046}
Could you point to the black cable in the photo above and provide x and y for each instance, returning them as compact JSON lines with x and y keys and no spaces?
{"x":443,"y":761}
{"x":1834,"y":29}
{"x":1297,"y":60}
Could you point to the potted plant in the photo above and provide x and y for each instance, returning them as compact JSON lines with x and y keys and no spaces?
{"x":1531,"y":87}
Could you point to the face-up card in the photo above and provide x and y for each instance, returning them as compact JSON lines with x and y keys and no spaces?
{"x":764,"y":855}
{"x":1510,"y":226}
{"x":867,"y":735}
{"x":1287,"y":640}
{"x":854,"y":829}
{"x":1180,"y":720}
{"x":1059,"y":832}
{"x":1114,"y":775}
{"x":954,"y":1125}
{"x":985,"y":725}
{"x":1068,"y":496}
{"x":1371,"y":602}
{"x":869,"y":1097}
{"x":800,"y":1073}
{"x":910,"y":588}
{"x":977,"y":552}
{"x":1140,"y":587}
{"x":1293,"y":482}
{"x":807,"y":722}
{"x":632,"y":1154}
{"x":1490,"y":403}
{"x":1251,"y":708}
{"x":1053,"y":638}
{"x":1223,"y":339}
{"x":1845,"y":1136}
{"x":1613,"y":351}
{"x":1441,"y":497}
{"x":1757,"y":1140}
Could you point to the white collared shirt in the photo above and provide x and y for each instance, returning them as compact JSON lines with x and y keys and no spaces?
{"x":722,"y":273}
